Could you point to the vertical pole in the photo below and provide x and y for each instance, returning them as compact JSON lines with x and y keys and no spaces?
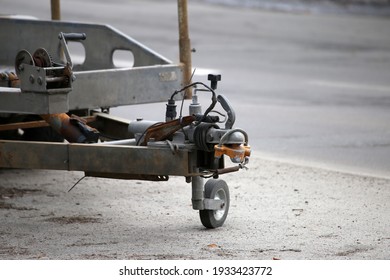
{"x":184,"y":44}
{"x":55,"y":10}
{"x":197,"y":192}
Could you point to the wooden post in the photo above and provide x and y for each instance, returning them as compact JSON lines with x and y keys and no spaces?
{"x":184,"y":44}
{"x":55,"y":10}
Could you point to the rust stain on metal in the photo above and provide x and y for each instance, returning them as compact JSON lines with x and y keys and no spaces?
{"x":74,"y":129}
{"x":61,"y":124}
{"x":9,"y":79}
{"x":35,"y":124}
{"x":164,"y":130}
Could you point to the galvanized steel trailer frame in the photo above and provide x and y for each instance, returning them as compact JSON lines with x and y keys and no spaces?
{"x":151,"y":78}
{"x":99,"y":84}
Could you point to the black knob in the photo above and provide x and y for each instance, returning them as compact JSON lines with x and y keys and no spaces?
{"x":214,"y":80}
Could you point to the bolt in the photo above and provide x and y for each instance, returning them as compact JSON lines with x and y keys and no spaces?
{"x":39,"y":80}
{"x":32,"y":79}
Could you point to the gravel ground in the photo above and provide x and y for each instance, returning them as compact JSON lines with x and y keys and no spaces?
{"x":278,"y":210}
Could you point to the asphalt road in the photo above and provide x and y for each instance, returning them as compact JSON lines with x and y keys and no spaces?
{"x":312,"y":89}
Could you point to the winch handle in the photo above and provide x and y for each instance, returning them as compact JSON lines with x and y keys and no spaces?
{"x":229,"y":110}
{"x":73,"y":36}
{"x":64,"y":37}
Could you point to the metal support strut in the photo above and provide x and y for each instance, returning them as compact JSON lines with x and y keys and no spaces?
{"x":197,"y":193}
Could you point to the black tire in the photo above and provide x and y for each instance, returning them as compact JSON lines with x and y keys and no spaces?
{"x":215,"y":189}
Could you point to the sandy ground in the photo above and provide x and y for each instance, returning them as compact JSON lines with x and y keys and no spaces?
{"x":278,"y":210}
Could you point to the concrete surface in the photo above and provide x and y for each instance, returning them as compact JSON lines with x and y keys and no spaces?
{"x":278,"y":210}
{"x":313,"y":93}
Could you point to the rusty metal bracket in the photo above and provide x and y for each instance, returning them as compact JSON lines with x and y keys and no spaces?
{"x":208,"y":173}
{"x":162,"y":131}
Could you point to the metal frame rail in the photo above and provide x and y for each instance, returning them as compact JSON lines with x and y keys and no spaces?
{"x":100,"y":159}
{"x":127,"y":85}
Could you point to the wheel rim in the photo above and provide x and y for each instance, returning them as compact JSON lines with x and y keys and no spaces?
{"x":220,"y":195}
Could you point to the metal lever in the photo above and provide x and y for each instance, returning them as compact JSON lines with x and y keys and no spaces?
{"x":225,"y":103}
{"x":71,"y":37}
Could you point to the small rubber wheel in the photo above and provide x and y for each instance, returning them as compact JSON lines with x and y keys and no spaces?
{"x":219,"y":190}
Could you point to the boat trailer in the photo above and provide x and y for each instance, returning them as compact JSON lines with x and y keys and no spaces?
{"x":54,"y":114}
